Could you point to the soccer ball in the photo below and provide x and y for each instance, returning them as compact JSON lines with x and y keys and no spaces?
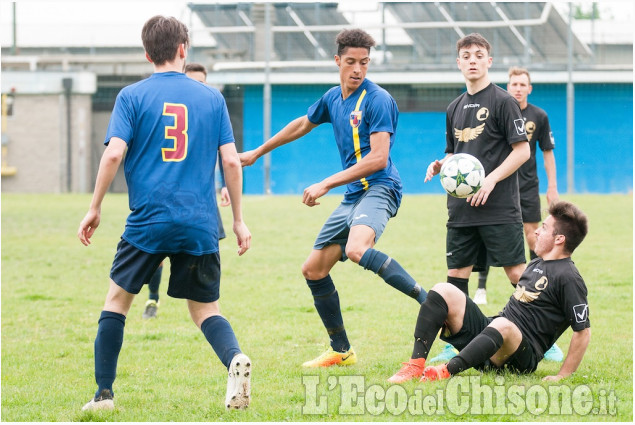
{"x":462,"y":175}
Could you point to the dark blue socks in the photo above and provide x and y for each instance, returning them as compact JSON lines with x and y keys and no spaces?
{"x":107,"y":347}
{"x":153,"y":285}
{"x":391,"y":271}
{"x":221,"y":337}
{"x":327,"y":304}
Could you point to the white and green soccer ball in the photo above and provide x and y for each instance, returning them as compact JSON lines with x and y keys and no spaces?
{"x":462,"y":175}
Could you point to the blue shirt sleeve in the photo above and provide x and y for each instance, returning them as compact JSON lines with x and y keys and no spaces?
{"x":381,"y":113}
{"x":318,"y":113}
{"x":122,"y":119}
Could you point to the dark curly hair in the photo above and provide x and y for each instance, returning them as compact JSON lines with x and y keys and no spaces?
{"x":161,"y":37}
{"x":571,"y":222}
{"x":353,"y":38}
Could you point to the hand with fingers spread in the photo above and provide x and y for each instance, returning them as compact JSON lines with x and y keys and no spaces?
{"x":480,"y":197}
{"x":433,"y":169}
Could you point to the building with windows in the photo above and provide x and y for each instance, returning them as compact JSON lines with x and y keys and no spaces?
{"x":275,"y":59}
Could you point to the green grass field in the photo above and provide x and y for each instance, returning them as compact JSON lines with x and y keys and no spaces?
{"x":53,"y":289}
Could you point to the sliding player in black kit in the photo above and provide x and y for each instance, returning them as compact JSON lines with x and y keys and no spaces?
{"x":550,"y":297}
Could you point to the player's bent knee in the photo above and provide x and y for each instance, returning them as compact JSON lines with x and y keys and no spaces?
{"x":355,"y":252}
{"x":310,"y":272}
{"x":199,"y":312}
{"x":448,"y":291}
{"x":506,"y":328}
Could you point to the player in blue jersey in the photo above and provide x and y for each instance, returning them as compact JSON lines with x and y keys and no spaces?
{"x":197,"y":72}
{"x":172,"y":128}
{"x":364,"y":119}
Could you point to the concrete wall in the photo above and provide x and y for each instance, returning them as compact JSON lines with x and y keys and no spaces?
{"x":36,"y":144}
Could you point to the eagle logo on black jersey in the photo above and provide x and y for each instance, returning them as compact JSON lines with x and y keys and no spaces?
{"x":469,"y":133}
{"x":525,"y":296}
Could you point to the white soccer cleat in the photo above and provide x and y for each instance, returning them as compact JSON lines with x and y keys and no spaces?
{"x":104,"y":401}
{"x":238,"y":383}
{"x":480,"y":297}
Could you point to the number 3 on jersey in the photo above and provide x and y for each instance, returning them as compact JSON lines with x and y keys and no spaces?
{"x":176,"y":132}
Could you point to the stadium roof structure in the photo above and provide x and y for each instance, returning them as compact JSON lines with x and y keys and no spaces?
{"x":519,"y":32}
{"x":411,"y":37}
{"x":415,"y":42}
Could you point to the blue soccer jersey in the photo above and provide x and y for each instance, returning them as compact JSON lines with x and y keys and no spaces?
{"x":173,"y":126}
{"x":370,"y":109}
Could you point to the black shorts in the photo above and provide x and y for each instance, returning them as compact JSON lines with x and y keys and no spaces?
{"x":497,"y":245}
{"x":524,"y":360}
{"x":195,"y":278}
{"x":474,"y":321}
{"x":530,"y":204}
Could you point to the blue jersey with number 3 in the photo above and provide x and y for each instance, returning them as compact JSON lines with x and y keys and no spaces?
{"x":369,"y":109}
{"x":173,"y":126}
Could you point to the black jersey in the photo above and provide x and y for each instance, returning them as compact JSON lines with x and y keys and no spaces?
{"x":538,"y":133}
{"x":550,"y":297}
{"x":485,"y":125}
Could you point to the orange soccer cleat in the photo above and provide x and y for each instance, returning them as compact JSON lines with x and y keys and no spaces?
{"x":411,"y":369}
{"x":435,"y":373}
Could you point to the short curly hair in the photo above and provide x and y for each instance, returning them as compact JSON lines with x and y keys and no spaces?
{"x":353,"y":38}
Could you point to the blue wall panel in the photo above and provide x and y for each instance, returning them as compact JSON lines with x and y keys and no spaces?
{"x":603,"y":140}
{"x":296,"y":165}
{"x":420,"y":140}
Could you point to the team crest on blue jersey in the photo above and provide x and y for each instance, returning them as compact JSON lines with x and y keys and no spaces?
{"x":356,"y":118}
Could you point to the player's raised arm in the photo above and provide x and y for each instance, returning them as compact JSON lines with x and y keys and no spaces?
{"x":292,"y":131}
{"x":234,"y":181}
{"x":108,"y":166}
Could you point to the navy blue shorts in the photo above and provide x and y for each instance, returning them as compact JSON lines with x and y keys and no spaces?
{"x":195,"y":278}
{"x":373,"y":209}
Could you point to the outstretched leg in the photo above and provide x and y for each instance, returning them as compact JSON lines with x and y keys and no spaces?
{"x":359,"y":249}
{"x":221,"y":337}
